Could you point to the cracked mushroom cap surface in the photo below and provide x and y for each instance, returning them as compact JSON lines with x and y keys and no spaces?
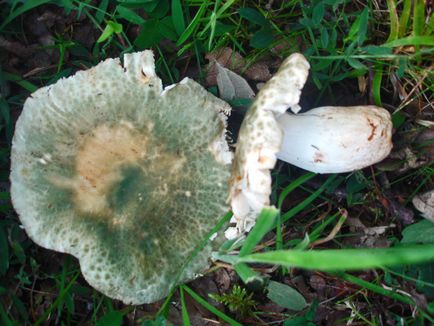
{"x":259,"y":141}
{"x":126,"y":177}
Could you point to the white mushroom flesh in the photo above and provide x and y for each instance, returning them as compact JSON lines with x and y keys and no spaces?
{"x":336,"y":139}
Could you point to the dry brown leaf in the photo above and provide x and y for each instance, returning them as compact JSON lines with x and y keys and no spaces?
{"x":235,"y":62}
{"x":425,"y":204}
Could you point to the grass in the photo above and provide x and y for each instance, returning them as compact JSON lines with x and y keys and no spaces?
{"x":380,"y":51}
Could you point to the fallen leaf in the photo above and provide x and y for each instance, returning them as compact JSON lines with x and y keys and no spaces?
{"x":232,"y":60}
{"x":232,"y":85}
{"x":285,"y":296}
{"x":424,"y":203}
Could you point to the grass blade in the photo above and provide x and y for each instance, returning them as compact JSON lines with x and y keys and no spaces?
{"x":394,"y":24}
{"x":247,"y":274}
{"x":344,"y":259}
{"x":264,"y":223}
{"x":418,"y":17}
{"x":374,"y":288}
{"x":57,"y":301}
{"x":20,"y":81}
{"x":412,"y":40}
{"x":293,"y":211}
{"x":184,"y":311}
{"x":209,"y":307}
{"x":293,"y":185}
{"x":193,"y":25}
{"x":178,"y":17}
{"x":405,"y":16}
{"x":376,"y":84}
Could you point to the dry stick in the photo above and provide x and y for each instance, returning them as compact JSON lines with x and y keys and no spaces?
{"x":37,"y":70}
{"x":335,"y":230}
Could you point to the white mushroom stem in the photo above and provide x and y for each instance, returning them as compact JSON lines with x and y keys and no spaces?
{"x":336,"y":139}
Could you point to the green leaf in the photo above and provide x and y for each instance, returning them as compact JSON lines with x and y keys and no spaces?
{"x":160,"y":10}
{"x":193,"y":25}
{"x":18,"y":252}
{"x":253,"y":16}
{"x":112,"y":318}
{"x":178,"y":17}
{"x":262,"y":38}
{"x":359,"y":28}
{"x":20,"y":81}
{"x":376,"y":84}
{"x":318,"y":13}
{"x":412,"y":40}
{"x":377,"y":50}
{"x":405,"y":15}
{"x":167,"y":29}
{"x":394,"y":23}
{"x":418,"y":17}
{"x":4,"y":252}
{"x":430,"y":308}
{"x":398,"y":118}
{"x":306,"y":22}
{"x":111,"y":28}
{"x":209,"y":307}
{"x":248,"y":275}
{"x":356,"y":64}
{"x":129,"y":15}
{"x":117,"y":28}
{"x":420,"y":232}
{"x":108,"y":31}
{"x":99,"y":16}
{"x":285,"y":296}
{"x":324,"y":38}
{"x":149,"y":34}
{"x":344,"y":259}
{"x":363,"y":26}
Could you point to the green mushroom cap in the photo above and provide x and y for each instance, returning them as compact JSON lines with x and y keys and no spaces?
{"x":126,"y":177}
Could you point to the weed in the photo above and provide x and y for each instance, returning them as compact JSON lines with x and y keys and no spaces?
{"x":238,"y":300}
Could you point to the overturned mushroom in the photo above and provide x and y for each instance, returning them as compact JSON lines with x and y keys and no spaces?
{"x":129,"y":178}
{"x":259,"y":141}
{"x":126,"y":177}
{"x":324,"y":140}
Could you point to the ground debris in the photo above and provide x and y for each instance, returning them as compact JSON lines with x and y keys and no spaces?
{"x":425,"y":204}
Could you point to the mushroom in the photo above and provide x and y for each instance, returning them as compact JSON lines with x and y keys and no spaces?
{"x":336,"y":139}
{"x":324,"y":140}
{"x":126,"y":177}
{"x":130,"y":178}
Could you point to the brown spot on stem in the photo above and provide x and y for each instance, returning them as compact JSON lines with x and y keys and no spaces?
{"x":373,"y":129}
{"x":318,"y":157}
